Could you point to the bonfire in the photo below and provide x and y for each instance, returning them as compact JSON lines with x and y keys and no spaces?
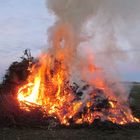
{"x":55,"y":85}
{"x":49,"y":89}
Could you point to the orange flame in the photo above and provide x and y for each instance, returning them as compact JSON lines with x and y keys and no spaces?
{"x":48,"y":90}
{"x":47,"y":87}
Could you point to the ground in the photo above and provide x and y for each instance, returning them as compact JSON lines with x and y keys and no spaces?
{"x":68,"y":134}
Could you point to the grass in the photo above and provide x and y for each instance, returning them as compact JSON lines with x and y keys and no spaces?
{"x":135,"y":99}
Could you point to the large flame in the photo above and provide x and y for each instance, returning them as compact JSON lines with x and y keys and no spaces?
{"x":48,"y":88}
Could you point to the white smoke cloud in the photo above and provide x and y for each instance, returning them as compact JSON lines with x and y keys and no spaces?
{"x":100,"y":24}
{"x":109,"y":19}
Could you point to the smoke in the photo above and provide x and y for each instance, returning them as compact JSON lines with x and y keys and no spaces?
{"x":94,"y":26}
{"x":115,"y":36}
{"x":70,"y":18}
{"x":108,"y":20}
{"x":74,"y":12}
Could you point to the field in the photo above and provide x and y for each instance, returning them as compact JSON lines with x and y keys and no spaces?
{"x":82,"y":133}
{"x":66,"y":134}
{"x":135,"y":99}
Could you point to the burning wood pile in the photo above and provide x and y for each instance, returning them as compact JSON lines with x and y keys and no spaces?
{"x":62,"y":86}
{"x":38,"y":92}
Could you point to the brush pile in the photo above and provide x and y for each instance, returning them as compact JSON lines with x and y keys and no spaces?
{"x":11,"y":113}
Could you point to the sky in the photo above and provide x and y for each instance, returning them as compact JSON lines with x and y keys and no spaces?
{"x":24,"y":24}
